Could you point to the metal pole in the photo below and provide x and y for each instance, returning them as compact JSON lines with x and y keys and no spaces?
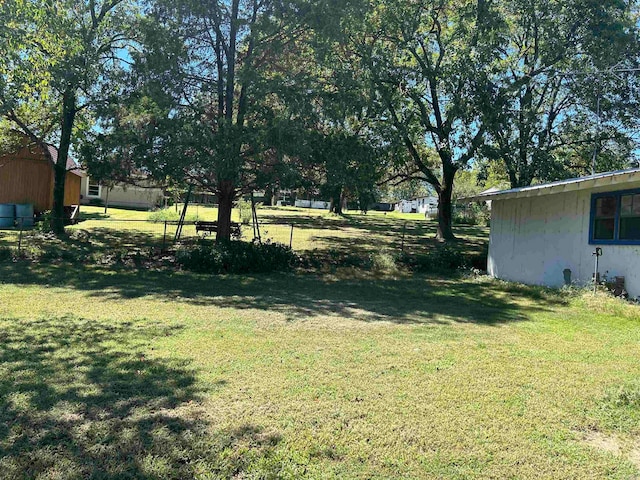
{"x":597,"y":253}
{"x":291,"y":236}
{"x":595,"y":276}
{"x":164,"y":236}
{"x":184,"y":212}
{"x":20,"y":236}
{"x":597,"y":139}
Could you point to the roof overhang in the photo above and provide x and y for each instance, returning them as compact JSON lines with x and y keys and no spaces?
{"x":618,"y":178}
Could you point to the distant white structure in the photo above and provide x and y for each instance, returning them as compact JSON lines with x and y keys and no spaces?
{"x":544,"y":233}
{"x":318,"y":204}
{"x":424,"y":205}
{"x":121,"y":195}
{"x":488,"y":191}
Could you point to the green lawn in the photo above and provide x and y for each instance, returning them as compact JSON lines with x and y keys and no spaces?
{"x":312,"y":230}
{"x":149,"y":374}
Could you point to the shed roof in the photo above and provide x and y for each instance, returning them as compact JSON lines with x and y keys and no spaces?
{"x":72,"y":165}
{"x":617,"y":178}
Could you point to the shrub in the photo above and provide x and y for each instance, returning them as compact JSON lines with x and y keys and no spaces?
{"x":383,"y":262}
{"x":331,"y":258}
{"x":474,"y":214}
{"x":5,"y":254}
{"x":44,"y":225}
{"x":446,"y":258}
{"x":244,"y":210}
{"x":236,"y":257}
{"x":169,"y":215}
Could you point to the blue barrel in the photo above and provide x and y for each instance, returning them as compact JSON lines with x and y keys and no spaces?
{"x":7,"y":215}
{"x":24,"y":215}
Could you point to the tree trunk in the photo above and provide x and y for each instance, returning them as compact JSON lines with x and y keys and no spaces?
{"x":226,"y":195}
{"x":60,"y":167}
{"x":57,"y":213}
{"x":445,"y":217}
{"x":106,"y":200}
{"x":336,"y":201}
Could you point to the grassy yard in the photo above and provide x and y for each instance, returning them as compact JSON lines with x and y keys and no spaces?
{"x":353,"y":233}
{"x":312,"y":229}
{"x":145,"y":374}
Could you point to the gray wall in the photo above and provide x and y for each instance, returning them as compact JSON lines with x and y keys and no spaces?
{"x":534,"y":239}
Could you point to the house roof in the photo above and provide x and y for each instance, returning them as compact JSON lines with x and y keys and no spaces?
{"x":72,"y":165}
{"x":619,"y":177}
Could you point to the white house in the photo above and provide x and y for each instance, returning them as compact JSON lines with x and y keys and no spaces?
{"x":317,"y":204}
{"x":424,"y":205}
{"x":121,"y":195}
{"x":540,"y":231}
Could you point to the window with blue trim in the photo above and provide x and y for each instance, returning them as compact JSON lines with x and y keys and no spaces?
{"x":615,"y":218}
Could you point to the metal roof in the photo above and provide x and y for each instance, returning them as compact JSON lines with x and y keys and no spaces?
{"x":72,"y":165}
{"x":618,"y":177}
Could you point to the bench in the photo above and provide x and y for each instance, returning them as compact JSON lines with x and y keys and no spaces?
{"x":212,"y":227}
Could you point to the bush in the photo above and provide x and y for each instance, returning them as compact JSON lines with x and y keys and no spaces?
{"x":446,"y":258}
{"x":170,"y":215}
{"x":474,"y":214}
{"x":244,"y":210}
{"x":331,"y":258}
{"x":5,"y":254}
{"x":383,"y":262}
{"x":45,"y":221}
{"x":236,"y":257}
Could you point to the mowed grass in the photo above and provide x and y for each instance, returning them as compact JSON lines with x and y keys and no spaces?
{"x":305,"y":229}
{"x":147,"y":374}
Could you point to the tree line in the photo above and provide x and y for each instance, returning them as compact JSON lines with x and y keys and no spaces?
{"x":341,"y":97}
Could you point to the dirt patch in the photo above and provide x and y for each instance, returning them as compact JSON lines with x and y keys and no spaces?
{"x":627,"y":449}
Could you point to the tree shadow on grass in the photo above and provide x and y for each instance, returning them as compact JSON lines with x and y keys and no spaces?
{"x":83,"y":399}
{"x":418,"y":299}
{"x":358,"y":234}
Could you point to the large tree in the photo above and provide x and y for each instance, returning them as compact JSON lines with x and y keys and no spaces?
{"x":560,"y":94}
{"x":428,"y":62}
{"x":214,"y":97}
{"x":58,"y":58}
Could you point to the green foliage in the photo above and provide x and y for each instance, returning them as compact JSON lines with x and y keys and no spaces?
{"x":384,"y":262}
{"x":6,"y":254}
{"x":59,"y":60}
{"x":244,"y":211}
{"x":236,"y":257}
{"x":44,"y":222}
{"x":471,"y":214}
{"x":446,"y":258}
{"x":625,"y":396}
{"x":553,"y":102}
{"x":170,"y":215}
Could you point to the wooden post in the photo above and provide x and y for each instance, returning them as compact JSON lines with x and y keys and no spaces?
{"x":291,"y":237}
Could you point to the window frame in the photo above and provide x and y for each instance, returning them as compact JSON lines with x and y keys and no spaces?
{"x":617,"y":194}
{"x":89,"y":185}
